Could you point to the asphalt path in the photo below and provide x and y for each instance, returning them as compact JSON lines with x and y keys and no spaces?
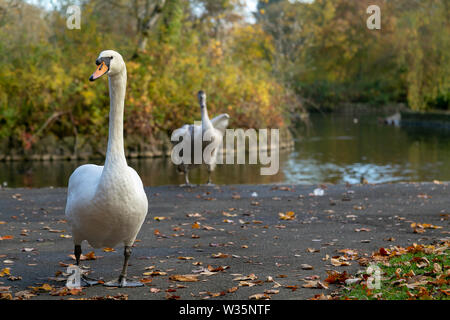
{"x":235,"y":230}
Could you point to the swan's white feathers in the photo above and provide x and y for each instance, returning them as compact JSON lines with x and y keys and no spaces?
{"x":221,"y":122}
{"x":105,"y":216}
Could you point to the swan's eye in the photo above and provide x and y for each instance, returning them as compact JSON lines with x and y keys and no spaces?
{"x":111,"y":57}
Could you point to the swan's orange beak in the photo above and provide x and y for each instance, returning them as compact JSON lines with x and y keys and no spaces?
{"x":101,"y":70}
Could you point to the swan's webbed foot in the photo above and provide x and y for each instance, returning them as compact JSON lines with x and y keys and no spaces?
{"x":209,"y":184}
{"x":123,"y":283}
{"x":86,"y":281}
{"x":187,"y":185}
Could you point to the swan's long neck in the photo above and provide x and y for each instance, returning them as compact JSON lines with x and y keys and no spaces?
{"x":115,"y":154}
{"x":206,"y":123}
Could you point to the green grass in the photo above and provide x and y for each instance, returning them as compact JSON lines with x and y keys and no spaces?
{"x":389,"y":291}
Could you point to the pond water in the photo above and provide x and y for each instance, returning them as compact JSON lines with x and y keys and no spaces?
{"x":332,"y":149}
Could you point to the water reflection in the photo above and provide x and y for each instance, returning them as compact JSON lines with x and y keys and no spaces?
{"x":334,"y":149}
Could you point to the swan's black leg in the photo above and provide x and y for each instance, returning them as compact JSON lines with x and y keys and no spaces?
{"x":126,"y":254}
{"x":122,"y":281}
{"x":77,"y":252}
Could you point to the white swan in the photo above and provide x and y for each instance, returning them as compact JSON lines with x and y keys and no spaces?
{"x":106,"y":205}
{"x":209,"y":135}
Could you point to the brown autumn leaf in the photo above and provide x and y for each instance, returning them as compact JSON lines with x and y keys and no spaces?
{"x":154,"y":273}
{"x":195,"y":225}
{"x":172,"y":296}
{"x":316,"y":284}
{"x":89,"y":256}
{"x":145,"y":280}
{"x":421,"y":262}
{"x":259,"y":296}
{"x":154,"y":290}
{"x":233,"y":289}
{"x":8,"y":237}
{"x":64,"y":291}
{"x":349,"y":252}
{"x":216,"y":269}
{"x":271,"y":291}
{"x":312,"y":250}
{"x":290,"y":215}
{"x":185,"y":258}
{"x":336,"y":277}
{"x":24,"y":295}
{"x":109,"y":250}
{"x":339,"y":262}
{"x":44,"y":287}
{"x":437,"y":268}
{"x":445,"y":291}
{"x":251,"y":276}
{"x":5,"y":272}
{"x":246,"y":284}
{"x":5,"y":296}
{"x":383,"y":252}
{"x":363,"y":262}
{"x":184,"y":278}
{"x":293,"y":288}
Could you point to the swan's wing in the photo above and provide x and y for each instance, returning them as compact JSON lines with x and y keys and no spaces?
{"x":221,"y":122}
{"x":82,"y":185}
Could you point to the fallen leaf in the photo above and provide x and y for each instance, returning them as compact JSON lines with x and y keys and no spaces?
{"x":306,"y":266}
{"x":24,"y":295}
{"x":259,"y":296}
{"x":195,"y":225}
{"x":184,"y":278}
{"x":155,"y":273}
{"x":5,"y":272}
{"x":251,"y":276}
{"x":271,"y":291}
{"x":337,"y":277}
{"x":290,"y":215}
{"x":314,"y":284}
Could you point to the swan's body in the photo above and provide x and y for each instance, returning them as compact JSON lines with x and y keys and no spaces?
{"x":106,"y":205}
{"x":105,"y":208}
{"x":213,"y":130}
